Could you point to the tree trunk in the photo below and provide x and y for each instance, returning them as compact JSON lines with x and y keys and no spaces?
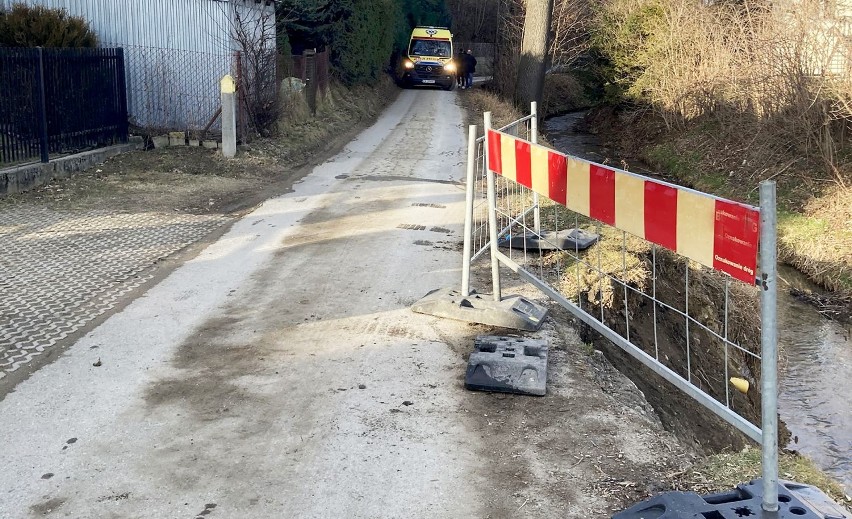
{"x":533,"y":63}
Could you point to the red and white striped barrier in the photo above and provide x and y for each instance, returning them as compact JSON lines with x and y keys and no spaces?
{"x":715,"y":232}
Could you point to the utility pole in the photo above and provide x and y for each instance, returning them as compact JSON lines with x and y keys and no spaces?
{"x":533,"y":64}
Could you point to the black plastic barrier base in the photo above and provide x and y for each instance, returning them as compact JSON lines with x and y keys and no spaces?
{"x":567,"y":240}
{"x":508,"y":365}
{"x":794,"y":501}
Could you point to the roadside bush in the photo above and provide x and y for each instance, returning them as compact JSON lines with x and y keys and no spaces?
{"x":563,"y":93}
{"x":365,"y":40}
{"x":24,"y":26}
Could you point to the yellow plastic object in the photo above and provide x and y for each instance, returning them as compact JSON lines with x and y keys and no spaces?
{"x":740,"y":384}
{"x":229,"y":86}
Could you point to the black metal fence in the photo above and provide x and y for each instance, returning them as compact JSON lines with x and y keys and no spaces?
{"x":55,"y":101}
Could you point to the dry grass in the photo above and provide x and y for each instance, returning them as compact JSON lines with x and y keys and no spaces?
{"x":724,"y":471}
{"x":478,"y":101}
{"x":301,"y":133}
{"x":818,"y":241}
{"x":563,"y":93}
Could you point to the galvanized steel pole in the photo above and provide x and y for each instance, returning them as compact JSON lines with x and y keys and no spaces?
{"x":468,"y":215}
{"x":492,"y":217}
{"x":769,"y":345}
{"x":534,"y":140}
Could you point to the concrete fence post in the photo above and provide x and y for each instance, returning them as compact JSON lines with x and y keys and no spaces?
{"x":229,"y":117}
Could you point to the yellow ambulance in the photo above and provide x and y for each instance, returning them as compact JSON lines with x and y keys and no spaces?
{"x":429,"y":60}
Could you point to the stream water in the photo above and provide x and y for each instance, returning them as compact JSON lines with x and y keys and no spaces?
{"x":815,"y":399}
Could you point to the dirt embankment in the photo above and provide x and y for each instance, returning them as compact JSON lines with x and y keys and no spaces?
{"x":690,"y":350}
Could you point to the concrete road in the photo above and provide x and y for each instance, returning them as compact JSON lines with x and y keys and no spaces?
{"x":281,"y":374}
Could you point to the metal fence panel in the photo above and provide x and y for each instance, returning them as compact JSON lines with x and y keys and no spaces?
{"x":60,"y":101}
{"x":605,"y":286}
{"x":85,"y":95}
{"x":174,"y":89}
{"x":626,"y":285}
{"x":20,"y":109}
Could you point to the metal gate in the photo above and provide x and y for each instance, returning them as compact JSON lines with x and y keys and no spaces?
{"x":534,"y":210}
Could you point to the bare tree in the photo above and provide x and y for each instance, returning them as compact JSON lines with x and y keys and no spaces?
{"x":532,"y":66}
{"x":510,"y":16}
{"x":253,"y":31}
{"x":475,"y":20}
{"x":570,"y":32}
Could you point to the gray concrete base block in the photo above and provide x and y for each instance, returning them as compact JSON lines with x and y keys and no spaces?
{"x":515,"y":312}
{"x":177,"y":139}
{"x":160,"y":141}
{"x":568,"y":240}
{"x":210,"y":145}
{"x":194,"y":142}
{"x":508,"y":365}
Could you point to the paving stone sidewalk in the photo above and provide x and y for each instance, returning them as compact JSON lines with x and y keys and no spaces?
{"x":60,"y":270}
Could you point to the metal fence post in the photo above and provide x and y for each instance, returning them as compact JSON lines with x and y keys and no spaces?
{"x":42,"y":105}
{"x":534,"y":140}
{"x":121,"y":91}
{"x":468,"y":216}
{"x":492,"y":216}
{"x":768,"y":344}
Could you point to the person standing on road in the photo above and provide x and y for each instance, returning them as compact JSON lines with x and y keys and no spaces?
{"x":460,"y":69}
{"x":469,"y":68}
